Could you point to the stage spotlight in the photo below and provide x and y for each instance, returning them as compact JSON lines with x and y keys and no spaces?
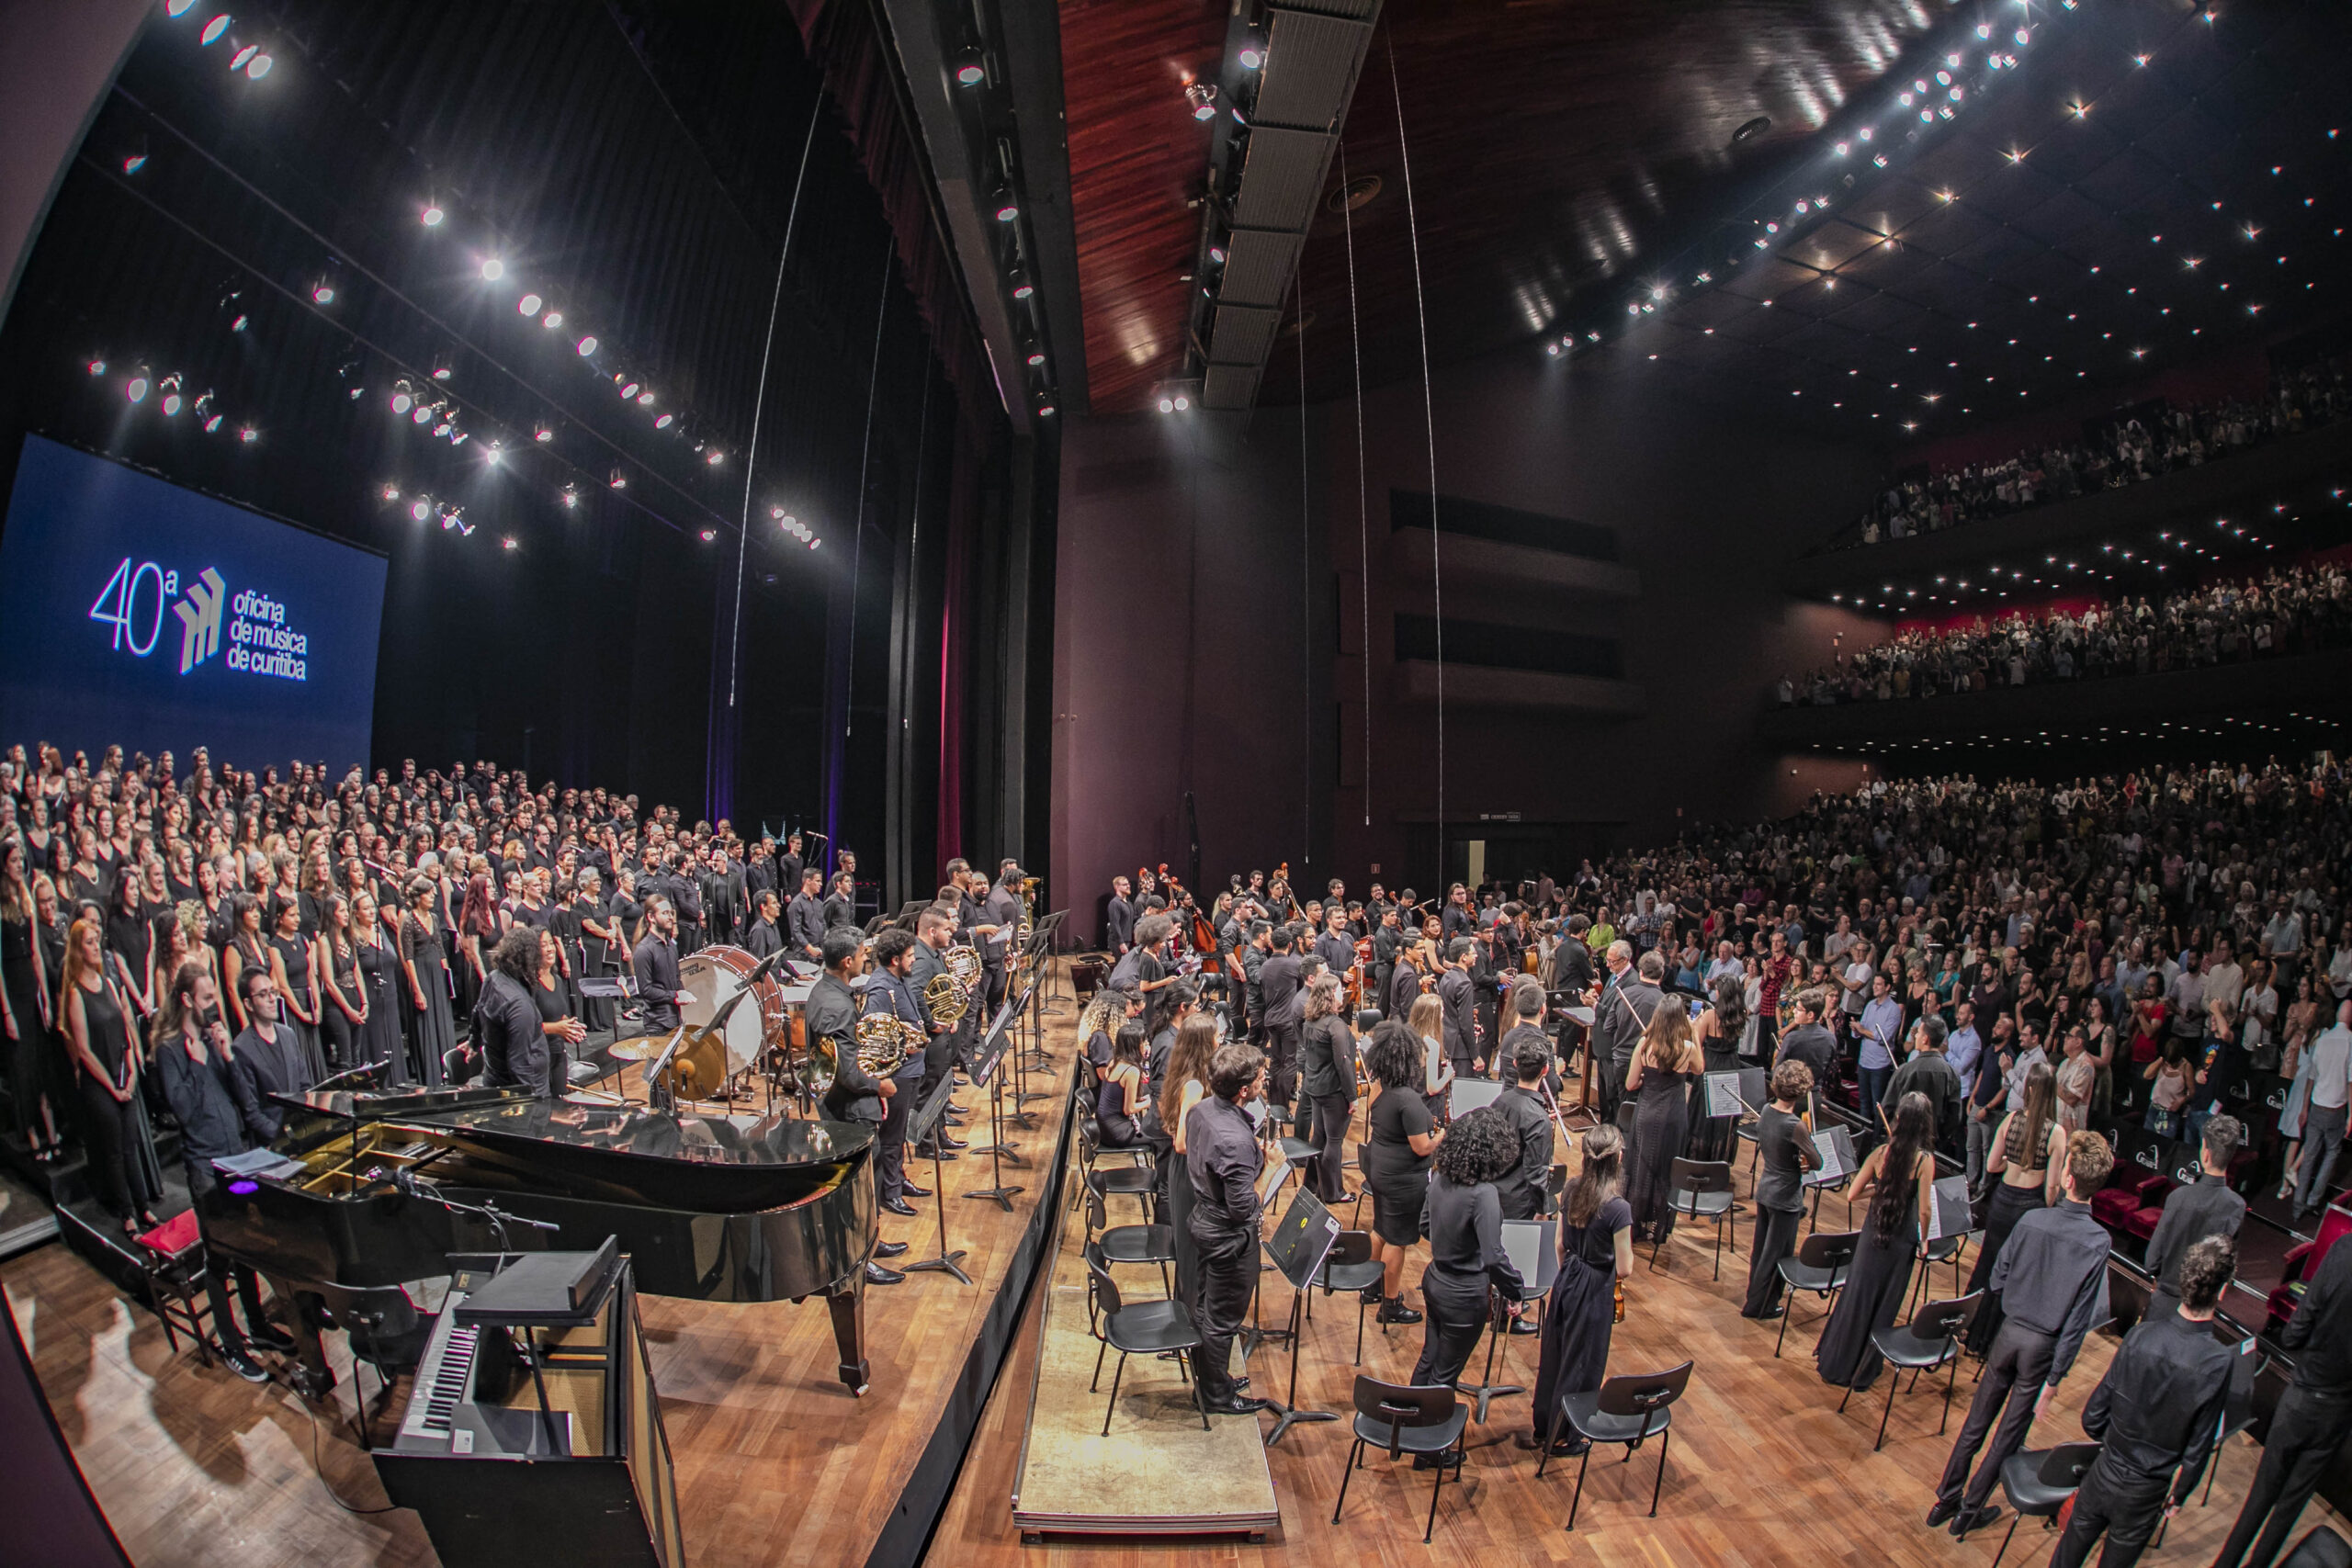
{"x":237,"y":61}
{"x":507,"y":543}
{"x":424,"y":414}
{"x":135,"y":162}
{"x":430,"y":216}
{"x":714,"y":456}
{"x":422,"y":508}
{"x":1023,"y":291}
{"x":1036,"y":359}
{"x":620,"y":480}
{"x":973,"y":71}
{"x":552,"y":320}
{"x":1006,"y":208}
{"x":171,"y":404}
{"x":543,"y":433}
{"x":241,"y":323}
{"x":259,"y":66}
{"x":98,"y":366}
{"x":213,"y":29}
{"x":1184,"y":403}
{"x":402,"y":399}
{"x":494,"y":269}
{"x":136,"y":387}
{"x":664,"y":421}
{"x":587,"y":346}
{"x":443,"y":428}
{"x":441,"y":372}
{"x":212,"y":424}
{"x":391,"y":493}
{"x":645,"y":400}
{"x":248,"y":434}
{"x":1046,"y":409}
{"x":1252,"y":58}
{"x":570,"y":495}
{"x":1167,"y":405}
{"x":322,"y":292}
{"x":494,"y":455}
{"x":629,"y":390}
{"x":176,"y":9}
{"x":528,"y":305}
{"x":814,"y":542}
{"x":1202,"y":96}
{"x":708,"y":535}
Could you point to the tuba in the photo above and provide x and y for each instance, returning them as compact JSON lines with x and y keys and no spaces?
{"x":884,"y":1041}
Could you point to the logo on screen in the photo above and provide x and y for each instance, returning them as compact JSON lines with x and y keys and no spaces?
{"x":199,"y":616}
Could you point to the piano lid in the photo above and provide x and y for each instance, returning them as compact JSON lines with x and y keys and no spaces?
{"x":410,"y":1099}
{"x":636,"y":1133}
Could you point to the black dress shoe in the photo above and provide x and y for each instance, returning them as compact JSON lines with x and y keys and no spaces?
{"x":1445,"y":1461}
{"x":951,"y":1143}
{"x":899,"y":1206}
{"x":1238,"y":1405}
{"x":889,"y":1248}
{"x":1974,"y":1519}
{"x":244,"y":1366}
{"x":1525,"y":1325}
{"x":1940,"y":1514}
{"x":270,"y":1337}
{"x":909,"y":1190}
{"x":877,"y":1275}
{"x":942,"y":1156}
{"x":1396,"y":1310}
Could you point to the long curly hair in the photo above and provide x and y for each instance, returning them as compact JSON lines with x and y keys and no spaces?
{"x":1478,"y":1146}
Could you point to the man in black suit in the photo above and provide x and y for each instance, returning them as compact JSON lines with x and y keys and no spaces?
{"x":934,"y":933}
{"x":856,"y":1096}
{"x":266,"y":1058}
{"x":2205,"y":1208}
{"x":787,"y":868}
{"x":1457,"y":998}
{"x":2313,"y":1418}
{"x":805,"y":919}
{"x":655,"y":963}
{"x":1528,"y":1052}
{"x":1620,"y":1013}
{"x":1279,"y":980}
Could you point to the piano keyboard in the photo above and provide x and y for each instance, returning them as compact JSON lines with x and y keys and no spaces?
{"x":442,"y":1378}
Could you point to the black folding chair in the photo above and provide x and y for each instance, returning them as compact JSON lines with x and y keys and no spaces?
{"x":1631,"y":1410}
{"x":1349,"y":1266}
{"x":1699,"y":1190}
{"x":2038,"y":1482}
{"x":1951,"y":1249}
{"x":1147,"y":1328}
{"x":1929,"y":1340}
{"x":1820,"y":1266}
{"x":1141,"y":1244}
{"x":1402,"y":1421}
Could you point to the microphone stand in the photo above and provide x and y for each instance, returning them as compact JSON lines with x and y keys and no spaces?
{"x":406,"y":1181}
{"x":365,"y":1069}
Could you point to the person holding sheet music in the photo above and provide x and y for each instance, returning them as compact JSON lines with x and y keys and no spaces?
{"x":1665,"y":1063}
{"x":1784,"y":1153}
{"x":1897,"y":1180}
{"x":2027,"y":1154}
{"x":2053,"y":1277}
{"x":1596,"y":1251}
{"x":1463,"y":1221}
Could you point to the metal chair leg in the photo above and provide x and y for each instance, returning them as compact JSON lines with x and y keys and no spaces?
{"x":1665,"y":1442}
{"x":1094,"y":1384}
{"x":1583,"y":1465}
{"x":2005,"y":1541}
{"x":1347,"y":1472}
{"x":1887,"y":1412}
{"x":1360,"y":1311}
{"x":1200,"y":1399}
{"x":1430,"y":1528}
{"x":1844,"y":1397}
{"x":1787,"y":1307}
{"x":1951,"y":1381}
{"x":1551,"y":1436}
{"x":1120,"y":1373}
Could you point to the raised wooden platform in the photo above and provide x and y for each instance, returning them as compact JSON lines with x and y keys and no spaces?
{"x":777,"y":1463}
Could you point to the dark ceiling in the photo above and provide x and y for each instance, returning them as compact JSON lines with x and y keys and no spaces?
{"x":1568,"y":159}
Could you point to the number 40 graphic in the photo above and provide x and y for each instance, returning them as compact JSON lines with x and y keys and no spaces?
{"x":119,"y":604}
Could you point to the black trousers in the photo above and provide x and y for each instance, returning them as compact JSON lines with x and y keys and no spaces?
{"x":1454,"y":1316}
{"x":890,"y":1145}
{"x":1332,"y":1112}
{"x":2014,"y":1373}
{"x":1225,"y":1275}
{"x":109,"y":1126}
{"x":2304,"y":1436}
{"x":1282,"y":1048}
{"x":1775,"y":1238}
{"x":1612,"y":1088}
{"x":218,"y":1269}
{"x":2125,"y":1506}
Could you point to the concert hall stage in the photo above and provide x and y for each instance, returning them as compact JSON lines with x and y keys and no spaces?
{"x":777,"y":1462}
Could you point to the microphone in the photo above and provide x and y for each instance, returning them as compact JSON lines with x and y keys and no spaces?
{"x":364,"y":1070}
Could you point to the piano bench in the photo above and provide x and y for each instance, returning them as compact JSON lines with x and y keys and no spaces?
{"x":175,"y":1264}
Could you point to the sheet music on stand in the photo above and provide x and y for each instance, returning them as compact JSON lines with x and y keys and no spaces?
{"x":991,"y":1049}
{"x":1534,"y":1248}
{"x":1467,"y":1095}
{"x":1303,"y":1239}
{"x":1836,"y":1148}
{"x":1735,"y":1093}
{"x":1948,"y":1212}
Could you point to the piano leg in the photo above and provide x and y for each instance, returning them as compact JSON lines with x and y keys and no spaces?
{"x":312,"y":1377}
{"x":848,"y":1307}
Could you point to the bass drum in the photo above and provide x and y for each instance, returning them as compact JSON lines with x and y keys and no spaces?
{"x":715,"y":975}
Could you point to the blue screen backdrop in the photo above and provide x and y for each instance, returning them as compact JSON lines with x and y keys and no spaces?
{"x":135,"y":611}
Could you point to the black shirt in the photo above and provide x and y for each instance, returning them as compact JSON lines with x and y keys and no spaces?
{"x":1811,"y":1044}
{"x":2159,"y":1406}
{"x":2206,"y":1207}
{"x":830,"y":1013}
{"x":507,"y":1027}
{"x":1222,"y":1159}
{"x":1464,"y":1226}
{"x":656,"y":964}
{"x":2320,"y":1332}
{"x":1785,"y":1151}
{"x":762,"y":940}
{"x":1279,"y":980}
{"x":204,"y":1098}
{"x":1521,"y":1187}
{"x":805,"y":919}
{"x":1327,"y":1055}
{"x":264,"y":1067}
{"x":1396,"y":1117}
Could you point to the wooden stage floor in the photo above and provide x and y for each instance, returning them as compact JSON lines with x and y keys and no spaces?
{"x":1764,"y":1470}
{"x":777,"y":1462}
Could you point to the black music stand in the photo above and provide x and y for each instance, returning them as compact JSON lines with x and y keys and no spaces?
{"x":1300,"y":1243}
{"x":1535,"y":1249}
{"x":921,"y":1126}
{"x":1015,"y":1012}
{"x":985,"y":1062}
{"x":1048,"y":931}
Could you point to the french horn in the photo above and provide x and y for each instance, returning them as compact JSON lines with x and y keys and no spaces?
{"x":883,"y":1041}
{"x":948,"y":995}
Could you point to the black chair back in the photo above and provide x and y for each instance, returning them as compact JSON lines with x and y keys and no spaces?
{"x":1829,"y":1249}
{"x":1941,"y":1320}
{"x":1697,"y":1175}
{"x":1399,"y":1406}
{"x":1641,"y":1394}
{"x":1105,"y":1290}
{"x":1096,"y":1218}
{"x":1352,"y":1246}
{"x":2066,"y":1465}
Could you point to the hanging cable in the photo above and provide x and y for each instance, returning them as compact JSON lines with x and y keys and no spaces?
{"x":1429,"y":413}
{"x":857,"y":550}
{"x":1306,"y":572}
{"x":1363,"y":537}
{"x":759,"y":402}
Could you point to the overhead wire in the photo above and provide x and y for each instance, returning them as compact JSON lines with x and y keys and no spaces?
{"x":1363,"y":537}
{"x":1429,"y":414}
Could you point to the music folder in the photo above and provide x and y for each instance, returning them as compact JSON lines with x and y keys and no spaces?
{"x":1303,"y":1239}
{"x":1836,"y":1148}
{"x":1533,"y":1248}
{"x":1468,"y":1094}
{"x":1948,"y":1212}
{"x":1735,"y":1093}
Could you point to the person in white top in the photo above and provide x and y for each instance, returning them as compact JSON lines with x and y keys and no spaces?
{"x":2223,"y":978}
{"x":2324,"y":1119}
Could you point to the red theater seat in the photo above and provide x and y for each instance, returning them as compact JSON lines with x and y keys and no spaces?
{"x":2302,"y":1262}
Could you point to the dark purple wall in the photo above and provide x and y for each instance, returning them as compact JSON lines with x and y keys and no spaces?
{"x":61,"y":56}
{"x":1264,"y":727}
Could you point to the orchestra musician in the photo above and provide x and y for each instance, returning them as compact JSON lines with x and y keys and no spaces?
{"x":1388,"y":943}
{"x":804,"y":917}
{"x":1457,"y":996}
{"x":1280,"y":979}
{"x":1328,"y":1055}
{"x":1408,"y":977}
{"x":656,"y":964}
{"x":1231,"y":1176}
{"x":934,"y":933}
{"x":830,"y":1013}
{"x":887,"y":993}
{"x":765,"y":939}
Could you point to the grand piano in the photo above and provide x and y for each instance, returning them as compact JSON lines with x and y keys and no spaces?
{"x":707,"y":1207}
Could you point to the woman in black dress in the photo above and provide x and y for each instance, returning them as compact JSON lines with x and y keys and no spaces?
{"x":1186,"y":1084}
{"x":343,"y":998}
{"x":379,"y":1031}
{"x":425,"y":975}
{"x":1400,"y":1136}
{"x":290,"y":963}
{"x":1596,"y":1251}
{"x":1119,"y":1098}
{"x":1665,"y":1063}
{"x":107,"y":1058}
{"x":478,"y":932}
{"x":1719,"y":1029}
{"x":557,"y":1021}
{"x":1898,"y":1178}
{"x":245,"y":950}
{"x":132,"y":939}
{"x":24,"y":1008}
{"x":599,"y":941}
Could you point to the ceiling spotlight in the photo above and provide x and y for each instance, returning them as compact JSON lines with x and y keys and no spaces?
{"x":430,"y":216}
{"x":552,"y":320}
{"x":587,"y":346}
{"x":1024,"y":291}
{"x":973,"y":71}
{"x":259,"y":66}
{"x":1167,"y":405}
{"x":97,"y":368}
{"x":171,"y":404}
{"x":570,"y":495}
{"x":135,"y":162}
{"x":507,"y":543}
{"x":645,"y":400}
{"x":176,"y":9}
{"x":212,"y":424}
{"x":543,"y":433}
{"x":136,"y":387}
{"x":494,"y":269}
{"x":1036,"y":359}
{"x":528,"y":305}
{"x":244,"y":55}
{"x":420,"y":509}
{"x":714,"y":456}
{"x":629,"y":390}
{"x":708,"y":535}
{"x":664,"y":421}
{"x":1006,"y":208}
{"x":442,"y":372}
{"x":1202,"y":96}
{"x":494,"y":455}
{"x":424,"y":413}
{"x":391,"y":493}
{"x":322,"y":293}
{"x":213,"y":29}
{"x":620,"y":480}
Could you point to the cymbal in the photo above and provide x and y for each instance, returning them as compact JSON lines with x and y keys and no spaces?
{"x":642,"y":1048}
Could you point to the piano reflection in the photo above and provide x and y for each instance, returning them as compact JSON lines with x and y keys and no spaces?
{"x":708,"y":1207}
